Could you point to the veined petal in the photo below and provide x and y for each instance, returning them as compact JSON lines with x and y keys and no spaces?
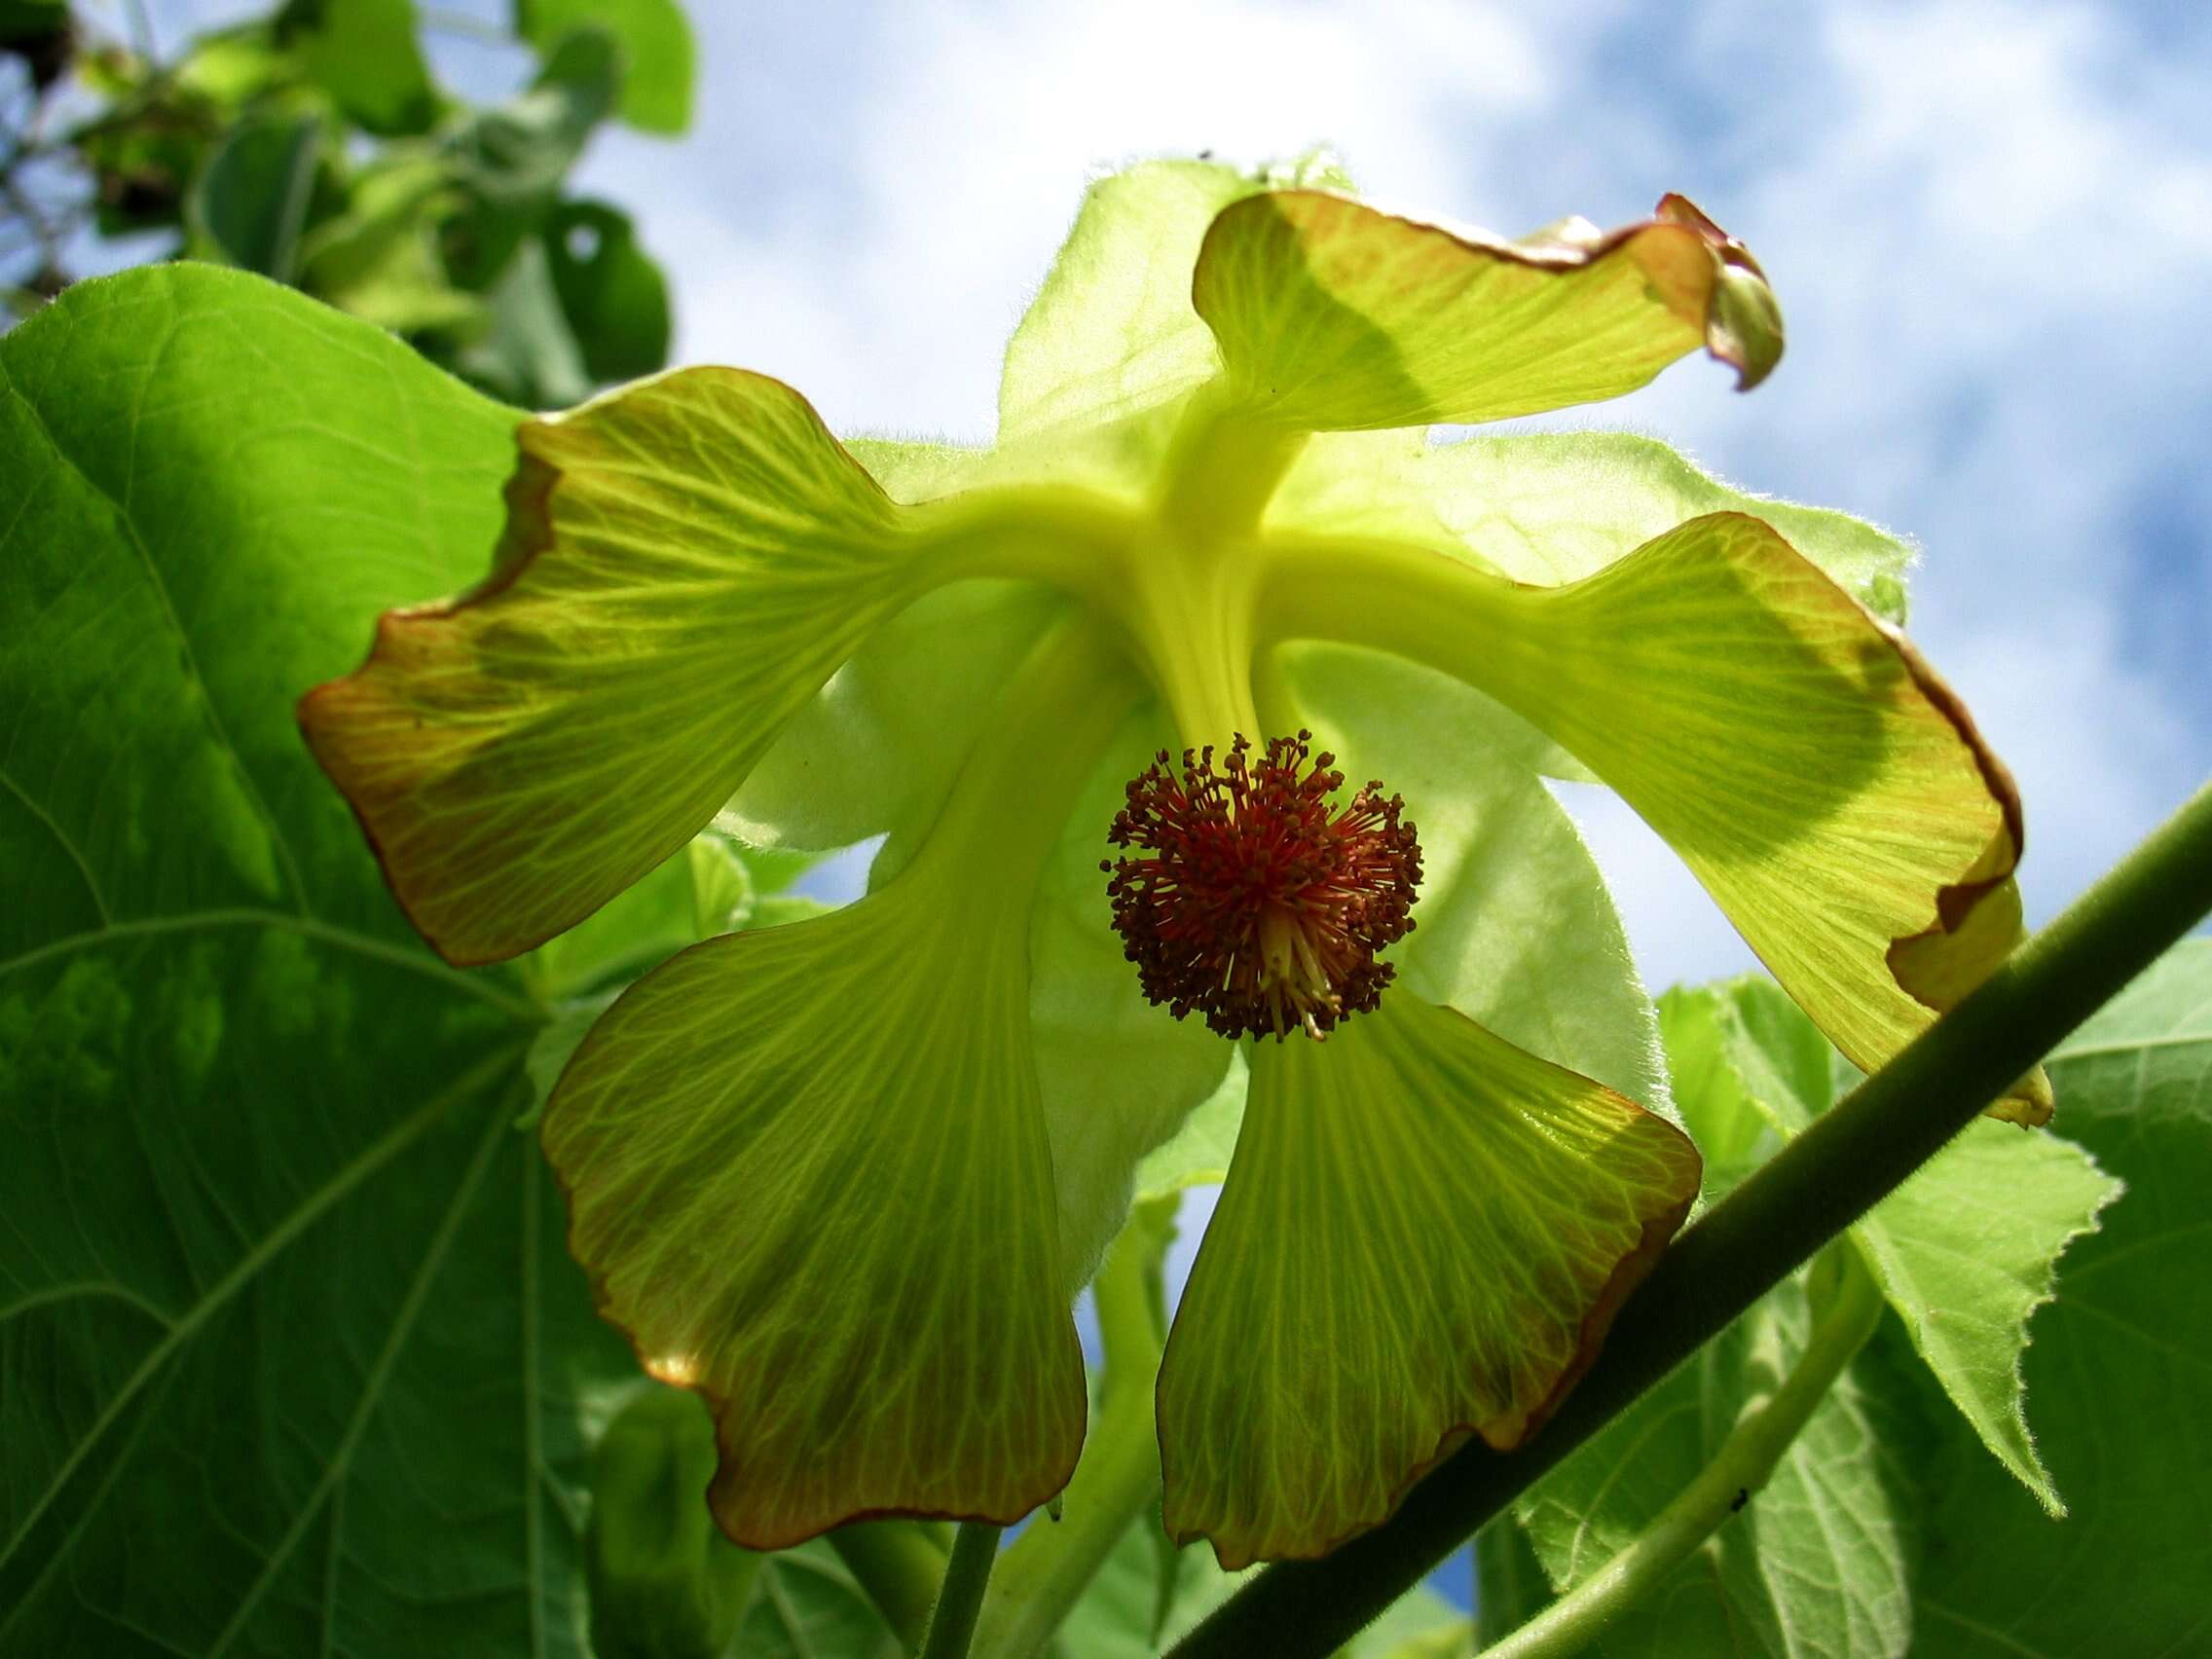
{"x":1119,"y":1075}
{"x":1334,"y":317}
{"x":1827,"y":787}
{"x":1514,"y":926}
{"x":685,"y":561}
{"x":1424,"y":1236}
{"x":807,"y":1171}
{"x":809,"y":1174}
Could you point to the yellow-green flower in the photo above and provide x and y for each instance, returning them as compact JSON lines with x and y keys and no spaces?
{"x":845,"y":1175}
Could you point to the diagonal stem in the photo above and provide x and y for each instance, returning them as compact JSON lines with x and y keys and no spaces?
{"x":1850,"y":1158}
{"x":1048,"y":1569}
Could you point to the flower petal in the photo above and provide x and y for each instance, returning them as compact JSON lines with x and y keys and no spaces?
{"x":1334,"y":317}
{"x":1112,"y":328}
{"x":685,"y":561}
{"x":1551,"y":507}
{"x":1424,"y":1236}
{"x":1119,"y":1075}
{"x":807,"y":1171}
{"x":1514,"y":926}
{"x":1827,"y":787}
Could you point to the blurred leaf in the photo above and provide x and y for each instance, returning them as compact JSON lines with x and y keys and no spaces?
{"x":1965,"y":1251}
{"x":365,"y":52}
{"x":656,"y":49}
{"x":250,"y":203}
{"x":512,"y":160}
{"x":612,"y":294}
{"x":806,"y":1606}
{"x":38,"y":32}
{"x":527,"y":355}
{"x":2118,"y":1372}
{"x":283,"y":1296}
{"x":379,"y":258}
{"x":665,"y":1583}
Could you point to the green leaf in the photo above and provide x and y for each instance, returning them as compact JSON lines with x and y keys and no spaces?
{"x":657,"y":51}
{"x":1819,"y":1561}
{"x":1965,"y":1251}
{"x":2116,"y":1372}
{"x":379,"y":258}
{"x":611,"y":292}
{"x":527,"y":355}
{"x":665,"y":1584}
{"x":250,"y":203}
{"x":808,"y":1606}
{"x":1510,"y":1587}
{"x":514,"y":159}
{"x":365,"y":54}
{"x":1117,"y":1615}
{"x":1333,"y":316}
{"x":275,"y":1260}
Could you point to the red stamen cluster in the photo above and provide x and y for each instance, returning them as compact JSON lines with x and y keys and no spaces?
{"x":1261,"y":905}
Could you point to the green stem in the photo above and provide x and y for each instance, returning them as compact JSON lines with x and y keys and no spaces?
{"x":975,"y":1549}
{"x":1048,"y":1569}
{"x":1850,"y":1158}
{"x":900,"y":1569}
{"x":1742,"y":1466}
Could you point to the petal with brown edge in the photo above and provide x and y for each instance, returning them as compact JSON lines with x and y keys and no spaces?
{"x":809,"y":1174}
{"x":1819,"y":780}
{"x":1336,"y":317}
{"x":686,"y":561}
{"x":1424,"y":1236}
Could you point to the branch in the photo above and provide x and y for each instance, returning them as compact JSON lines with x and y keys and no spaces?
{"x":1849,"y":1159}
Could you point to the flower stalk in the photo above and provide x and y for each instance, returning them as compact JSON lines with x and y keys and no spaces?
{"x":1847,"y":1161}
{"x":975,"y":1549}
{"x":1048,"y":1569}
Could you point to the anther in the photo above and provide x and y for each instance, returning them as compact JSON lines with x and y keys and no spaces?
{"x":1251,"y":898}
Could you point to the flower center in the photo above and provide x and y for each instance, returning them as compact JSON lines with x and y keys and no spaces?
{"x":1254,"y":900}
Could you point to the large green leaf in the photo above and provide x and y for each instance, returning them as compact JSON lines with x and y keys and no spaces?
{"x":1148,"y":1595}
{"x":1965,"y":1251}
{"x":808,"y":1606}
{"x":2118,"y":1373}
{"x":1818,"y":1563}
{"x":292,"y":1357}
